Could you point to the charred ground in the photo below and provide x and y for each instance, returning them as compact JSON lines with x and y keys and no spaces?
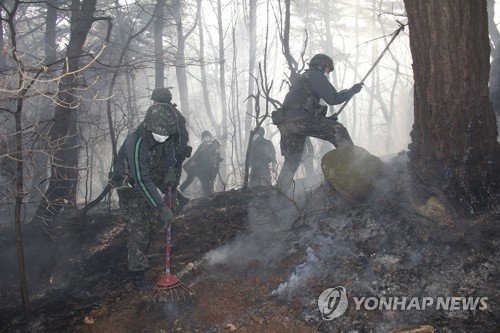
{"x":258,"y":263}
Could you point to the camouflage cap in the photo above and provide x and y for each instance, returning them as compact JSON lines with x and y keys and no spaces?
{"x":161,"y":119}
{"x":162,"y":95}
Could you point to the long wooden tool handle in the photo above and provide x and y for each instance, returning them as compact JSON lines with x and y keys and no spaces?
{"x":395,"y":34}
{"x":169,"y":232}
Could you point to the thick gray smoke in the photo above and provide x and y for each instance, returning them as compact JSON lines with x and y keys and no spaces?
{"x":272,"y":218}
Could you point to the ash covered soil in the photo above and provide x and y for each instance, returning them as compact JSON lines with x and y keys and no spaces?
{"x":258,"y":262}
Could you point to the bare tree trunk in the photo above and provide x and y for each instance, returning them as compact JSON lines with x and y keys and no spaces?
{"x":292,"y":63}
{"x":41,"y":160}
{"x":19,"y":158}
{"x":204,"y":84}
{"x":158,"y":40}
{"x":234,"y":115}
{"x":354,"y":112}
{"x":50,"y":32}
{"x":375,"y":87}
{"x":454,"y":148}
{"x":130,"y":97}
{"x":252,"y":29}
{"x":3,"y":63}
{"x":222,"y":84}
{"x":63,"y":134}
{"x":180,"y":57}
{"x":134,"y":99}
{"x":17,"y":209}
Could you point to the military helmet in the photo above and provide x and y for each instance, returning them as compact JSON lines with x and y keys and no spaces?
{"x":161,"y":95}
{"x":161,"y":119}
{"x":261,"y":131}
{"x":205,"y":133}
{"x":321,"y":60}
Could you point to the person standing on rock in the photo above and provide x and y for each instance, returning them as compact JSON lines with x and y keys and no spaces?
{"x":262,"y":159}
{"x":145,"y":167}
{"x":303,"y":116}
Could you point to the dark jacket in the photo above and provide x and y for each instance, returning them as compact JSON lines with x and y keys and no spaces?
{"x":320,"y":87}
{"x":145,"y":163}
{"x":205,"y":160}
{"x":262,"y":154}
{"x":183,"y":150}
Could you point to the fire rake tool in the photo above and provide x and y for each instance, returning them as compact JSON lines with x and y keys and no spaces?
{"x":169,"y":286}
{"x":394,"y":35}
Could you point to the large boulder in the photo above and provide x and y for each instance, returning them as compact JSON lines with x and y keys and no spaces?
{"x":353,"y":172}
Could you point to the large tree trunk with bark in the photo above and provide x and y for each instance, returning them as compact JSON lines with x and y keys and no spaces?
{"x":64,"y":132}
{"x":454,"y":149}
{"x":495,"y":64}
{"x":50,"y":32}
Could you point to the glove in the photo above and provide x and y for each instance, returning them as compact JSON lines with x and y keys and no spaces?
{"x":165,"y":214}
{"x":357,"y":87}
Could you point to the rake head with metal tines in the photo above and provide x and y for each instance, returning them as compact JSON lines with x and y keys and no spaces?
{"x":170,"y":287}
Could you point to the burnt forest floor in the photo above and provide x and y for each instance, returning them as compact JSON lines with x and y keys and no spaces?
{"x":258,"y":262}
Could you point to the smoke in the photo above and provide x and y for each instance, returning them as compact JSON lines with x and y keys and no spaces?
{"x":275,"y":221}
{"x":302,"y":273}
{"x":270,"y":220}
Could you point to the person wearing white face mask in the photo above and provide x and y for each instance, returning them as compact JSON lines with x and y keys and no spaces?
{"x":145,"y":167}
{"x":302,"y":115}
{"x":160,"y":138}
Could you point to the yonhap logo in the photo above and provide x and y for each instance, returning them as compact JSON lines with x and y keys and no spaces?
{"x":332,"y":303}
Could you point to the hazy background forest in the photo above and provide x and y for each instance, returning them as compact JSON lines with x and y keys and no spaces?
{"x":75,"y":80}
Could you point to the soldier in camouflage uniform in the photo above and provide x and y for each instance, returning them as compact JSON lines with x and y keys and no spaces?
{"x":145,"y":166}
{"x":262,"y":159}
{"x":304,"y":116}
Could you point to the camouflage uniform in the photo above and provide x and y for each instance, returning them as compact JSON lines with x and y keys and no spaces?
{"x":302,"y":120}
{"x":144,"y":167}
{"x":140,"y":221}
{"x":261,"y":157}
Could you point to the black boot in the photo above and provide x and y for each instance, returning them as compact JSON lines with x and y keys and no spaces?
{"x":180,"y":202}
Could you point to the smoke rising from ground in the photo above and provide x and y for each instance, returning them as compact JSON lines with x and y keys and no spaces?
{"x":270,"y":219}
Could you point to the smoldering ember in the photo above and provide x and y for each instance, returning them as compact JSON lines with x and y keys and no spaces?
{"x":249,"y":166}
